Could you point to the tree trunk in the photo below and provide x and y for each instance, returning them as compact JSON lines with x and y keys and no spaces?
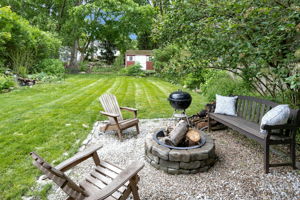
{"x":74,"y":52}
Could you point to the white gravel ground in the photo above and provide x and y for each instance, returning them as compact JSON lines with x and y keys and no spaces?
{"x":238,"y":173}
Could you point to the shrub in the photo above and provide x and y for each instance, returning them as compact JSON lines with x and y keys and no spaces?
{"x":163,"y":57}
{"x":2,"y":67}
{"x":119,"y":62}
{"x":150,"y":73}
{"x":22,"y":71}
{"x":193,"y":81}
{"x":52,"y":67}
{"x":44,"y":77}
{"x":6,"y":82}
{"x":220,"y":82}
{"x":24,"y":45}
{"x":134,"y":70}
{"x":83,"y":66}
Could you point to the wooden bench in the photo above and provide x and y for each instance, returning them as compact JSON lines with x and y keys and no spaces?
{"x":250,"y":110}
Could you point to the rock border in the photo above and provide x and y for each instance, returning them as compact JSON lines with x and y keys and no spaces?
{"x":177,"y":161}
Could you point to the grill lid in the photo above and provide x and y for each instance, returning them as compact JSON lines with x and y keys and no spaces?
{"x":180,"y":96}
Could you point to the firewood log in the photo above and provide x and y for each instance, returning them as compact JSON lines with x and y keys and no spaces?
{"x":201,"y":125}
{"x":177,"y":134}
{"x":193,"y":137}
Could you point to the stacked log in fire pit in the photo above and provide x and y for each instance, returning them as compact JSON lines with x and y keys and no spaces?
{"x":181,"y":135}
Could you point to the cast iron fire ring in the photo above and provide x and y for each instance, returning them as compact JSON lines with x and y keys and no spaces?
{"x":160,"y":133}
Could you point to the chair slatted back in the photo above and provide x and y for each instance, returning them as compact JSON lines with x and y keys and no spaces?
{"x":63,"y":181}
{"x":110,"y":105}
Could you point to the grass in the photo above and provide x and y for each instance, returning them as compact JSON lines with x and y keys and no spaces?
{"x":34,"y":119}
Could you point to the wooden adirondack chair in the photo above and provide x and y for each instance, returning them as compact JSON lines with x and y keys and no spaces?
{"x":106,"y":181}
{"x":113,"y":112}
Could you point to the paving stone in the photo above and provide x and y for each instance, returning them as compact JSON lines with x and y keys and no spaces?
{"x":165,"y":169}
{"x":179,"y":155}
{"x":148,"y":159}
{"x":169,"y":164}
{"x":197,"y":154}
{"x":153,"y":158}
{"x":155,"y":165}
{"x":149,"y":142}
{"x":173,"y":171}
{"x":207,"y":147}
{"x":202,"y":169}
{"x":212,"y":153}
{"x":183,"y":171}
{"x":160,"y":151}
{"x":190,"y":165}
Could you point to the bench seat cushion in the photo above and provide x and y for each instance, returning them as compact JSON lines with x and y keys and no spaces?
{"x":248,"y":128}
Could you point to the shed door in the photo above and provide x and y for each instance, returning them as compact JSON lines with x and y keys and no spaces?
{"x":142,"y":60}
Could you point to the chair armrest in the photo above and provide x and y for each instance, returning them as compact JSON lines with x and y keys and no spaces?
{"x":109,"y":114}
{"x":283,"y":126}
{"x":119,"y":181}
{"x":130,"y":110}
{"x":78,"y":158}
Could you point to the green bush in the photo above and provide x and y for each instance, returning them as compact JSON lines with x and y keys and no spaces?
{"x":163,"y":57}
{"x":134,"y":70}
{"x":102,"y":67}
{"x":2,"y":67}
{"x":119,"y":62}
{"x":150,"y":73}
{"x":6,"y":82}
{"x":192,"y":80}
{"x":52,"y":67}
{"x":24,"y":45}
{"x":44,"y":77}
{"x":83,"y":66}
{"x":220,"y":82}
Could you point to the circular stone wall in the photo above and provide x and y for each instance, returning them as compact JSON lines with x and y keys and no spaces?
{"x":174,"y":161}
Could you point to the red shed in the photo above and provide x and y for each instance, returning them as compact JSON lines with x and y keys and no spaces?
{"x":143,"y":57}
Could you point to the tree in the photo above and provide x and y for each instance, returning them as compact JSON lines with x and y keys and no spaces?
{"x":110,"y":22}
{"x":23,"y":46}
{"x":256,"y":40}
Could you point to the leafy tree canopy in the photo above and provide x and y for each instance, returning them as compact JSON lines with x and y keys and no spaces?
{"x":256,"y":40}
{"x":23,"y":45}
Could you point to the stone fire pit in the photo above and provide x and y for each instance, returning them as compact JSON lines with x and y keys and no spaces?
{"x":180,"y":161}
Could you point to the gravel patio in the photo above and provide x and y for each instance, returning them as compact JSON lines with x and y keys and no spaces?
{"x":237,"y":174}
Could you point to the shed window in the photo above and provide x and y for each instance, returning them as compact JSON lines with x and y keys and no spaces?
{"x":130,"y":58}
{"x":149,"y":58}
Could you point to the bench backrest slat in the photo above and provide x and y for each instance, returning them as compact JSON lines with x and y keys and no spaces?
{"x":240,"y":104}
{"x":257,"y":113}
{"x":244,"y":108}
{"x":253,"y":109}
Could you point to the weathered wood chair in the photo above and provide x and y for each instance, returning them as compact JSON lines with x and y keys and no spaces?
{"x":113,"y":112}
{"x":106,"y":181}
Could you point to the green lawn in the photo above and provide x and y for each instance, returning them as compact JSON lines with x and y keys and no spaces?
{"x":34,"y":119}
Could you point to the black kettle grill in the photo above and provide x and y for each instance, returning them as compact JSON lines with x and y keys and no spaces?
{"x":180,"y":100}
